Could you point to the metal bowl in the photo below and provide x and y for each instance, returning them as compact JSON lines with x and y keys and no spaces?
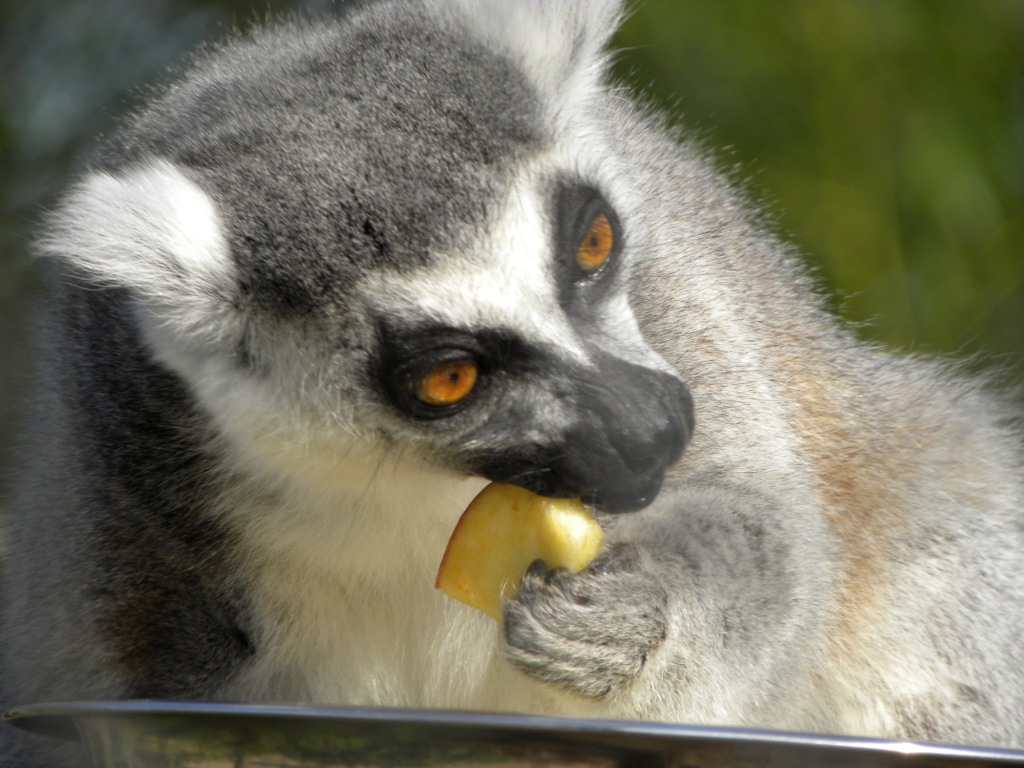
{"x":151,"y":734}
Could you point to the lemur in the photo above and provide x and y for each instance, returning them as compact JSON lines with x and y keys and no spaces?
{"x":234,"y":490}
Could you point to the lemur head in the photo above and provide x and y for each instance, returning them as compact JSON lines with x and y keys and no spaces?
{"x":405,"y":231}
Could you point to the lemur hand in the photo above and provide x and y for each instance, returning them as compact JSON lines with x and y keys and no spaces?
{"x":589,"y":632}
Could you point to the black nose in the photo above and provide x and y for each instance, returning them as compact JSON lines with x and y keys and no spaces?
{"x":634,"y":422}
{"x":645,"y":452}
{"x":628,"y":424}
{"x":619,"y":427}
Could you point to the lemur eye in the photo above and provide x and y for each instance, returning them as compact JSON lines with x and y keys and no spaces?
{"x":447,"y":383}
{"x":597,"y":244}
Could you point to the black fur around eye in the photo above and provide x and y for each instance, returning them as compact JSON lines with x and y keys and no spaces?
{"x":432,"y":373}
{"x":588,"y":240}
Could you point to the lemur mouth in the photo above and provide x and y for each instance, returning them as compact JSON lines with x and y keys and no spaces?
{"x":544,"y":481}
{"x":638,"y":496}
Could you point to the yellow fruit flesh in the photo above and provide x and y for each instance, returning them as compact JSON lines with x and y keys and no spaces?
{"x":503,"y":530}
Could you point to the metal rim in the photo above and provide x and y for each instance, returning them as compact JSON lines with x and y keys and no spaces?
{"x":61,"y":719}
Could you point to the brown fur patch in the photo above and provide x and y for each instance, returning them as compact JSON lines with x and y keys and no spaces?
{"x":858,"y":470}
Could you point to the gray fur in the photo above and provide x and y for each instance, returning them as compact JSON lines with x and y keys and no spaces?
{"x":589,"y":633}
{"x":229,"y":494}
{"x":287,"y":123}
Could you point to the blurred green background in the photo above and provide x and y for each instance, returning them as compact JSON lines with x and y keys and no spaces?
{"x":885,"y":136}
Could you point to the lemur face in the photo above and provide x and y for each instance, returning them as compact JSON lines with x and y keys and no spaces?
{"x":519,"y":358}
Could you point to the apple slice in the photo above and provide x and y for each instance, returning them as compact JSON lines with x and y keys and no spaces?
{"x":503,"y":530}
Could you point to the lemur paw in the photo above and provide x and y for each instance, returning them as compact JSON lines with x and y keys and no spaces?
{"x":589,"y":632}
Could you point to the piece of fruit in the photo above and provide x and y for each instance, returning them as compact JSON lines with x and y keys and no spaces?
{"x":502,"y":532}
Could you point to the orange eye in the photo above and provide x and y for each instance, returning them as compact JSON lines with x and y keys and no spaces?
{"x":447,"y":383}
{"x":596,"y":245}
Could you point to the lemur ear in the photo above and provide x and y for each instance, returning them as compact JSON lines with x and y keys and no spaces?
{"x":153,"y":231}
{"x":560,"y":45}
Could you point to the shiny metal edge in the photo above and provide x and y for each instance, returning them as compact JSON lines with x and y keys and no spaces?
{"x":59,"y":719}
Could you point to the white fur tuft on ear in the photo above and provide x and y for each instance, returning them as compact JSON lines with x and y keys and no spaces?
{"x":153,"y":231}
{"x":150,"y":229}
{"x":558,"y":43}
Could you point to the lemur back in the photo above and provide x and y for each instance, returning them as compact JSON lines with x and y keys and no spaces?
{"x":233,"y":489}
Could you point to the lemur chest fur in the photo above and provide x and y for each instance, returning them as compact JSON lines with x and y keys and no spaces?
{"x":342,"y":584}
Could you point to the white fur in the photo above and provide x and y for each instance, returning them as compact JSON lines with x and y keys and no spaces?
{"x":343,"y":577}
{"x":509,"y":266}
{"x":559,"y":44}
{"x":156,"y":232}
{"x":151,"y":229}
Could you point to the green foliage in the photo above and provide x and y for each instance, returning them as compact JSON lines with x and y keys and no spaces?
{"x":887,"y":136}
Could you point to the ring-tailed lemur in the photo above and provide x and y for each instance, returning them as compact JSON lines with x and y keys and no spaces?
{"x":339,"y":274}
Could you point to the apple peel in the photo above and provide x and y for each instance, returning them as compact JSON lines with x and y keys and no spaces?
{"x":502,"y":532}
